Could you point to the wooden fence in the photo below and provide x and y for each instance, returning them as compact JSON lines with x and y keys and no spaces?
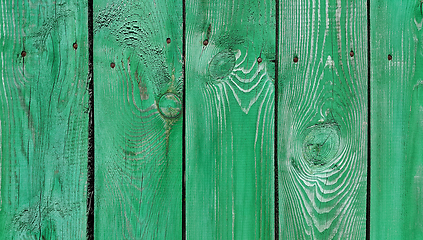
{"x":201,"y":119}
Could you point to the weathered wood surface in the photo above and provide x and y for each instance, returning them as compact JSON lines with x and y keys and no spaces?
{"x":322,"y":119}
{"x":138,"y":122}
{"x":43,"y":119}
{"x":396,"y":210}
{"x":230,"y":55}
{"x":230,"y":118}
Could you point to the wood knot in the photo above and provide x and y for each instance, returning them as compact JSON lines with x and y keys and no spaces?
{"x":321,"y":144}
{"x":170,"y":105}
{"x":222,"y":64}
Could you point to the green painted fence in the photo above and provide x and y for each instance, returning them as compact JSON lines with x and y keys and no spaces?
{"x":257,"y":119}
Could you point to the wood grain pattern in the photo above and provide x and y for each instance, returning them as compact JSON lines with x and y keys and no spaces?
{"x":138,"y":125}
{"x":230,"y":55}
{"x":230,"y":118}
{"x":43,"y":123}
{"x":322,"y":119}
{"x":396,"y":110}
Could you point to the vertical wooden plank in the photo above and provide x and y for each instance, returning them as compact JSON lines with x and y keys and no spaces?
{"x":43,"y":123}
{"x":322,"y":114}
{"x":138,"y":124}
{"x":230,"y":118}
{"x":396,"y":119}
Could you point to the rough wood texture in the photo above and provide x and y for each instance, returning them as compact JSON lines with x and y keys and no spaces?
{"x":322,"y":114}
{"x":396,"y":120}
{"x":138,"y":123}
{"x":43,"y":123}
{"x":230,"y":118}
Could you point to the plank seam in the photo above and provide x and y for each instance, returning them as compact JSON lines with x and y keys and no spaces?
{"x":275,"y":137}
{"x":90,"y":167}
{"x":184,"y":119}
{"x":368,"y":125}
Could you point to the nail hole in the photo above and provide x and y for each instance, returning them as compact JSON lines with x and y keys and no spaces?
{"x":206,"y":42}
{"x":389,"y":57}
{"x":75,"y":46}
{"x":168,"y":40}
{"x":295,"y":59}
{"x":23,"y":53}
{"x":259,"y":60}
{"x":352,"y":53}
{"x":112,"y":65}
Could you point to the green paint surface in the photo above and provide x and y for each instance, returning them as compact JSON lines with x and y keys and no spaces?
{"x":138,"y":125}
{"x":43,"y":123}
{"x":230,"y":119}
{"x":322,"y":119}
{"x":230,"y":75}
{"x":396,"y":120}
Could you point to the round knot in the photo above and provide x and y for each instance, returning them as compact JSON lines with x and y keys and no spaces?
{"x":321,"y":144}
{"x":222,"y":64}
{"x":170,"y":105}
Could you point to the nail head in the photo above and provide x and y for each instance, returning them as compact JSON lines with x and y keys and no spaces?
{"x":206,"y":42}
{"x":75,"y":46}
{"x":23,"y":53}
{"x":389,"y":57}
{"x":259,"y":60}
{"x":168,"y":40}
{"x":112,"y":65}
{"x":352,"y":53}
{"x":295,"y":59}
